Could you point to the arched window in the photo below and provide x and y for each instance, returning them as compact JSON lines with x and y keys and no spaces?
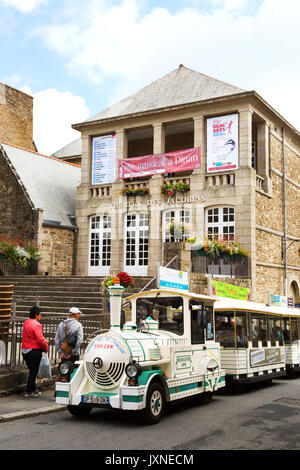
{"x":220,"y":222}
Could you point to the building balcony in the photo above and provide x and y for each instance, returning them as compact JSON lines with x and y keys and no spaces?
{"x":219,"y":266}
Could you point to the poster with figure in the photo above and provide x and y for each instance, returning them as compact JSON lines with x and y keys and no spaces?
{"x":104,"y":159}
{"x":222,"y":143}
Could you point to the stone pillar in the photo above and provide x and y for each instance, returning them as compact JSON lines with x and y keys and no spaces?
{"x":158,"y":138}
{"x":199,"y":133}
{"x":86,"y":161}
{"x":263,"y":168}
{"x":121,"y":144}
{"x":245,"y":138}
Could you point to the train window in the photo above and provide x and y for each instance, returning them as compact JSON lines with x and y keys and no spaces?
{"x":257,"y":329}
{"x":225,"y":329}
{"x":210,"y":324}
{"x":241,"y":330}
{"x":168,"y":311}
{"x":294,"y":329}
{"x":202,"y":325}
{"x":275,"y":329}
{"x":287,"y":330}
{"x":198,"y":323}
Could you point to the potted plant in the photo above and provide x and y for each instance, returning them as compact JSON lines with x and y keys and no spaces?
{"x":139,"y":191}
{"x":171,"y":189}
{"x":219,"y":247}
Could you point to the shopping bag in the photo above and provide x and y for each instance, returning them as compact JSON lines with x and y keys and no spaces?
{"x":2,"y":353}
{"x":45,"y":367}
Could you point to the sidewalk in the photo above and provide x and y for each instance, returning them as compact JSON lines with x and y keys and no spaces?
{"x":18,"y":406}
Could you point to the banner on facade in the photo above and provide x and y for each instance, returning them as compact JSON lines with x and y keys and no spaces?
{"x":221,"y":289}
{"x":173,"y":279}
{"x":222,"y":143}
{"x":104,"y":159}
{"x":181,"y":160}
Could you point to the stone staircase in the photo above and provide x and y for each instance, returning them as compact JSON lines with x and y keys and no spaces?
{"x":57,"y":294}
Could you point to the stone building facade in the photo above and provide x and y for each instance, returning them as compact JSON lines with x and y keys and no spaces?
{"x":37,"y":193}
{"x":121,"y":232}
{"x":16,"y":117}
{"x":37,"y":204}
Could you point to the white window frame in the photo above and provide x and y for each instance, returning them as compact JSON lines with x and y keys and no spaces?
{"x":220,"y":221}
{"x":136,"y":264}
{"x":99,"y":235}
{"x":180,"y":216}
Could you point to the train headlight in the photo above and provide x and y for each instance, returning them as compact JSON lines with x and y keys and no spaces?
{"x":133,"y":370}
{"x":65,"y":369}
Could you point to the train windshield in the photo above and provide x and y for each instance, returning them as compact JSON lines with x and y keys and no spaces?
{"x":168,"y":311}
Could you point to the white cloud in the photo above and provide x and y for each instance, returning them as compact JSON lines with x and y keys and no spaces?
{"x":24,"y":6}
{"x":259,"y":51}
{"x":53,"y":114}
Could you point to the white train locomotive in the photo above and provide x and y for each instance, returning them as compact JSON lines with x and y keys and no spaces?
{"x":165,"y":351}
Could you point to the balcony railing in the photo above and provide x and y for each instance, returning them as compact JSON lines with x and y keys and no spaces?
{"x":259,"y":182}
{"x":220,"y":266}
{"x":100,"y":192}
{"x":220,"y":180}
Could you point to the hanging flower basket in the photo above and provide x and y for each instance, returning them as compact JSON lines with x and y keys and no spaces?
{"x":171,"y":189}
{"x":141,"y":191}
{"x":218,"y":247}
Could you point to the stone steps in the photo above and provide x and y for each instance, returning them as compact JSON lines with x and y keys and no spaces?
{"x":58,"y":294}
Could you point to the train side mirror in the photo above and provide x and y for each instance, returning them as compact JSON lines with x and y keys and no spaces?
{"x":202,"y":319}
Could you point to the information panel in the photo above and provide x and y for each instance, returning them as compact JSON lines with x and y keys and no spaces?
{"x":104,"y":159}
{"x":173,"y":279}
{"x":222,"y":143}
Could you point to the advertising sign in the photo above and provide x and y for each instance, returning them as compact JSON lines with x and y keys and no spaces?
{"x":173,"y":278}
{"x":222,"y":143}
{"x":263,"y":356}
{"x":181,"y":160}
{"x":221,"y":289}
{"x":276,"y":300}
{"x":104,"y":159}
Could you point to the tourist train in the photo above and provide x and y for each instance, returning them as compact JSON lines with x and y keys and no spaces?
{"x":176,"y":344}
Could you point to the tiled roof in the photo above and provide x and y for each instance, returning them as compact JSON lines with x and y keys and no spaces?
{"x":49,"y":182}
{"x":178,"y":87}
{"x":71,"y":149}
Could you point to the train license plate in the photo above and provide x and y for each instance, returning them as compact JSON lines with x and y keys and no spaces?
{"x":95,"y":399}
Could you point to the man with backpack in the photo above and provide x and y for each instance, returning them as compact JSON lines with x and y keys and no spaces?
{"x":69,"y":336}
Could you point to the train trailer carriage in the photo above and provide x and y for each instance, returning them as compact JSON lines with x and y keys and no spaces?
{"x":165,"y":351}
{"x":258,"y":342}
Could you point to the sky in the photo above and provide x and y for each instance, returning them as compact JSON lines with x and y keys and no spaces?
{"x":77,"y":57}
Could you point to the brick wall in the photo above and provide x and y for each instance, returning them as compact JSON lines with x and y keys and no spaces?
{"x":270,"y":219}
{"x":56,"y":248}
{"x":17,"y":219}
{"x":16,"y":117}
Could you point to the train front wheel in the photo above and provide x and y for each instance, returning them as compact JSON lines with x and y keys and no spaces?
{"x":155,"y":403}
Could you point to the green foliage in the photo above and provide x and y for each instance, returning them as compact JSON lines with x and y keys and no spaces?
{"x":140,"y":191}
{"x":171,"y":189}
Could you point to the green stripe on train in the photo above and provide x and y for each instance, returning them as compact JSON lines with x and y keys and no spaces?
{"x":184,"y":388}
{"x":133,"y":398}
{"x":61,"y":394}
